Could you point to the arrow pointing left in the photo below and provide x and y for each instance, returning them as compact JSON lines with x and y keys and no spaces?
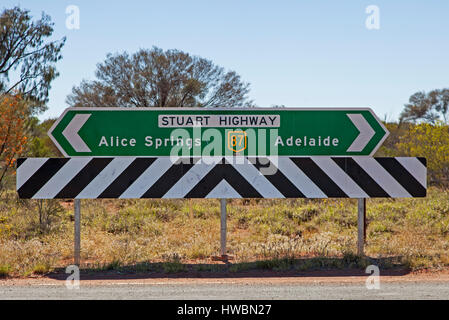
{"x":71,"y":132}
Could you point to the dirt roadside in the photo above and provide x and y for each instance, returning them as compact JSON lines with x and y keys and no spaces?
{"x":254,"y":277}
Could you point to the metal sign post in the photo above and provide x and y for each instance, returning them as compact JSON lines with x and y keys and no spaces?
{"x":223,"y":228}
{"x":77,"y":253}
{"x":361,"y":225}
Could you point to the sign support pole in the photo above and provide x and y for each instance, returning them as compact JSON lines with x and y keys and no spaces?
{"x":223,"y":228}
{"x":77,"y":251}
{"x":361,"y":225}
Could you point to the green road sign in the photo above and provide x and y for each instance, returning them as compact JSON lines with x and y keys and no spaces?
{"x":217,"y":132}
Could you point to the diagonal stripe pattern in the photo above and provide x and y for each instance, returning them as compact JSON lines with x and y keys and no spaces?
{"x":221,"y":177}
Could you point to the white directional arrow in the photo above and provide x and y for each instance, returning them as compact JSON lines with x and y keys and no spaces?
{"x":365,"y":135}
{"x":71,"y":132}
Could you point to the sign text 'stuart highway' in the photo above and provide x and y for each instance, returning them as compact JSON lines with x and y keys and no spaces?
{"x":218,"y":132}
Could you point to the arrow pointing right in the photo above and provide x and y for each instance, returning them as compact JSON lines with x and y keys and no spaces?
{"x":365,"y":135}
{"x":71,"y":132}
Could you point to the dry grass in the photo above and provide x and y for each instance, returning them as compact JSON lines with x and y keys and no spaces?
{"x":265,"y":234}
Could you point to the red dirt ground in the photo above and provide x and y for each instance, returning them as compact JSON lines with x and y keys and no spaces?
{"x":333,"y":276}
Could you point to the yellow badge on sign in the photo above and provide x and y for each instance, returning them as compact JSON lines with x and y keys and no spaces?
{"x":237,"y":141}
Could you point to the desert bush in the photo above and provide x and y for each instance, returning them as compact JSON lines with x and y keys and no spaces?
{"x":430,"y":141}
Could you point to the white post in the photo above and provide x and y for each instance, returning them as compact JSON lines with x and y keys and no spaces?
{"x":77,"y":253}
{"x":223,"y":227}
{"x":361,"y":225}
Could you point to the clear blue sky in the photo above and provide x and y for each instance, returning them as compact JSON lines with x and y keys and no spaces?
{"x":296,"y":53}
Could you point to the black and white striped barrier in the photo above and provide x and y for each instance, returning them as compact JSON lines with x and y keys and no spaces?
{"x":221,"y":177}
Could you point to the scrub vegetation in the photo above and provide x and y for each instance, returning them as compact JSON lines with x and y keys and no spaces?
{"x":169,"y":236}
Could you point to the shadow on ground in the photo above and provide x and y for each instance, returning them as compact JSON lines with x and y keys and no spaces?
{"x":305,"y":267}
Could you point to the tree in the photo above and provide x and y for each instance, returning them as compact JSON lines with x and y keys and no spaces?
{"x":428,"y":107}
{"x":157,"y":78}
{"x":24,"y":47}
{"x":439,"y":99}
{"x":13,"y":122}
{"x":39,"y":143}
